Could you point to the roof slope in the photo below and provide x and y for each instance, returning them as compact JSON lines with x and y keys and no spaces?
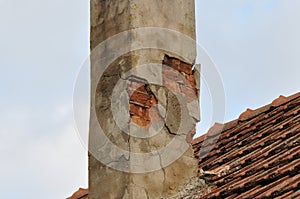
{"x":255,"y":156}
{"x":80,"y":194}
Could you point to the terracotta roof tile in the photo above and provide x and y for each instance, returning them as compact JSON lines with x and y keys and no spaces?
{"x":80,"y":194}
{"x":255,"y":156}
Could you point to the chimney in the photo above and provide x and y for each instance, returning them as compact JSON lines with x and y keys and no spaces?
{"x":144,"y":98}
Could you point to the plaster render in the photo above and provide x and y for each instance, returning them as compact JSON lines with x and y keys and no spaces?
{"x":107,"y":178}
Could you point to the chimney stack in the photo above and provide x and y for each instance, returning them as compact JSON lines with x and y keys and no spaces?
{"x":144,"y":98}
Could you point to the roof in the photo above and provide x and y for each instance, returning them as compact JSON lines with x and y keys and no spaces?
{"x":254,"y":156}
{"x":80,"y":194}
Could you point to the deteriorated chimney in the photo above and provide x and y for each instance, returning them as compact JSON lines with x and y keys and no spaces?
{"x":144,"y":98}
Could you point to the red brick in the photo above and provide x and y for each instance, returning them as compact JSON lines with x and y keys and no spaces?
{"x":141,"y":98}
{"x":175,"y":63}
{"x":191,"y":81}
{"x":136,"y":110}
{"x":178,"y":65}
{"x":186,"y":68}
{"x":146,"y":114}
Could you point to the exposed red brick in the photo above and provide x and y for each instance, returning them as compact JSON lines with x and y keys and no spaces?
{"x":136,"y":110}
{"x":142,"y":102}
{"x":191,"y":81}
{"x":146,"y":114}
{"x":141,"y":98}
{"x":175,"y":63}
{"x":173,"y":79}
{"x":140,"y":105}
{"x":186,"y":68}
{"x":178,"y":65}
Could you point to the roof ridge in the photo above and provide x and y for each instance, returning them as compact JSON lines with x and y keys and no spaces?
{"x":279,"y":101}
{"x":80,"y":193}
{"x":246,"y":115}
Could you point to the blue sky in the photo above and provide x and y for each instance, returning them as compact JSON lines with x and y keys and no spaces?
{"x":255,"y":45}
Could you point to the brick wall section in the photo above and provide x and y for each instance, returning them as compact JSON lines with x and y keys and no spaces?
{"x":178,"y":77}
{"x":142,"y":103}
{"x":181,"y":79}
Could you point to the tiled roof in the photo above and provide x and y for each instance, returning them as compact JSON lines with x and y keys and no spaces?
{"x":254,"y":156}
{"x":80,"y":194}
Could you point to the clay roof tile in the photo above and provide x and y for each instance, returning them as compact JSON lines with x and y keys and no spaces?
{"x":259,"y":151}
{"x":80,"y":194}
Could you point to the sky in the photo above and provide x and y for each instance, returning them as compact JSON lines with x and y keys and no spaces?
{"x":43,"y":44}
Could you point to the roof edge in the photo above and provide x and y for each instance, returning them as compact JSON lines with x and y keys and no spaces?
{"x":247,"y":115}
